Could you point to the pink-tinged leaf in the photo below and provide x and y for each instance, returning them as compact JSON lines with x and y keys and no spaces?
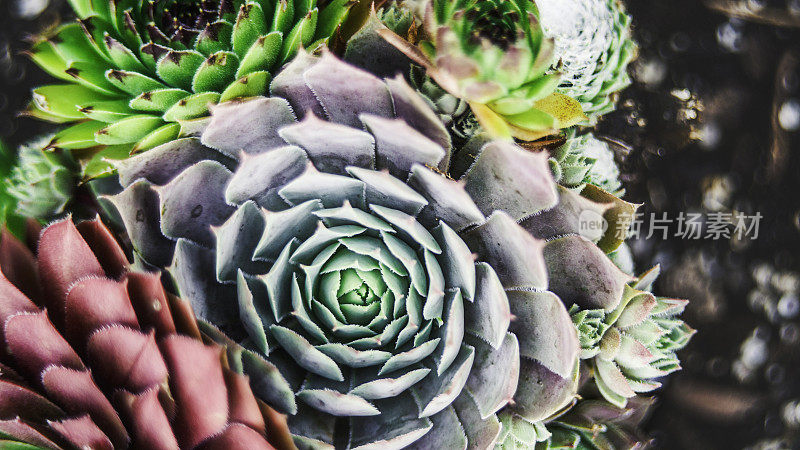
{"x":76,"y":392}
{"x":243,"y":405}
{"x":236,"y":436}
{"x":148,"y":422}
{"x":35,"y":344}
{"x":93,"y":303}
{"x":198,"y":386}
{"x":12,"y":301}
{"x":19,"y":265}
{"x":16,"y":400}
{"x":82,"y":433}
{"x":126,"y":358}
{"x":150,"y":303}
{"x":23,"y":432}
{"x":64,"y":257}
{"x":105,"y":248}
{"x":637,"y":310}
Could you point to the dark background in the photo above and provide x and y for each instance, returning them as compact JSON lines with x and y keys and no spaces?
{"x":708,"y":126}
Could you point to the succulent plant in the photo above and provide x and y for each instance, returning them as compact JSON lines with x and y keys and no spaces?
{"x":8,"y":205}
{"x":336,"y":248}
{"x":594,"y":46}
{"x":494,"y":55}
{"x":631,"y":344}
{"x":133,"y":69}
{"x":597,"y":425}
{"x":41,"y":182}
{"x":585,"y":159}
{"x":95,"y":356}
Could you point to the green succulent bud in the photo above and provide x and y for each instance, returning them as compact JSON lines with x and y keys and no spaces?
{"x":635,"y":342}
{"x":132,"y":70}
{"x":594,"y":46}
{"x":41,"y":182}
{"x":494,"y":55}
{"x":583,"y":160}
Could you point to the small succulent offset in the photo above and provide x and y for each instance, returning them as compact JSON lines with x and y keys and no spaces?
{"x":41,"y":182}
{"x":593,"y":47}
{"x":632,"y":343}
{"x":337,"y":249}
{"x":133,"y":69}
{"x":494,"y":55}
{"x":95,"y":356}
{"x":583,"y":160}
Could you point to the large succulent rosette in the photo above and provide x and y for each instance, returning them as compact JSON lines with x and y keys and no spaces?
{"x":131,"y":70}
{"x":593,"y":47}
{"x":97,"y":357}
{"x":336,"y":248}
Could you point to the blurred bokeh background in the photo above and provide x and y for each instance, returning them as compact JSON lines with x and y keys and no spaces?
{"x":711,"y":124}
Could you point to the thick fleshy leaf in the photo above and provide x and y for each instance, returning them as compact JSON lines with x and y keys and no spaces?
{"x":447,"y":199}
{"x":399,"y":146}
{"x":260,"y":177}
{"x":331,"y":147}
{"x":515,"y":255}
{"x":494,"y":376}
{"x":505,"y":177}
{"x":600,"y":286}
{"x":397,"y":426}
{"x":436,"y":392}
{"x":545,"y":330}
{"x":247,"y":125}
{"x":345,"y":92}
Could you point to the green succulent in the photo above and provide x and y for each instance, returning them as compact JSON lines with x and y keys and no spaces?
{"x":494,"y":55}
{"x":583,"y":160}
{"x":41,"y":183}
{"x":9,"y":219}
{"x":594,"y":45}
{"x":338,"y":254}
{"x":132,"y":70}
{"x":631,"y":344}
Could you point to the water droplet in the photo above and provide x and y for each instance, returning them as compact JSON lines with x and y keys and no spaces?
{"x":139,"y":215}
{"x":196,"y":211}
{"x":788,"y":306}
{"x":789,"y":115}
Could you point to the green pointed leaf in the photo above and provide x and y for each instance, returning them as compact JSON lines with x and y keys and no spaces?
{"x":122,"y":56}
{"x":283,"y":16}
{"x":166,"y":133}
{"x":252,"y":85}
{"x":263,"y":54}
{"x":102,"y":162}
{"x":177,"y":68}
{"x":63,"y":99}
{"x":216,"y":37}
{"x":191,"y":107}
{"x":131,"y":82}
{"x":91,"y":76}
{"x":128,"y":130}
{"x":250,"y":24}
{"x":82,"y":8}
{"x":532,"y":119}
{"x":44,"y":55}
{"x":331,"y":16}
{"x":216,"y":72}
{"x":301,"y":34}
{"x":73,"y":44}
{"x":108,"y":111}
{"x":77,"y":136}
{"x":159,"y":100}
